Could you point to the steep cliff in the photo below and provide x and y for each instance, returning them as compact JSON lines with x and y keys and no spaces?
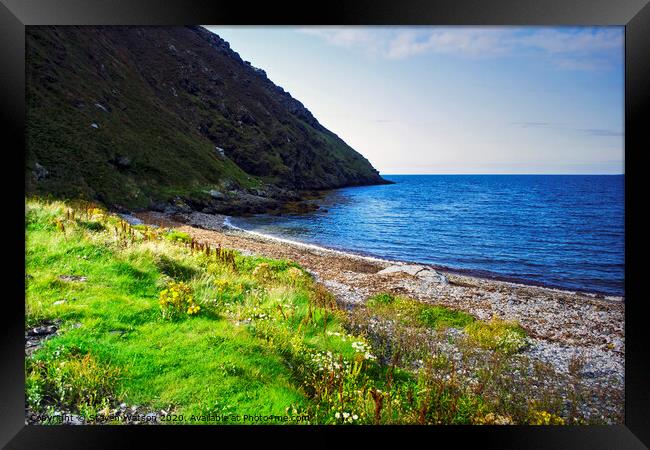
{"x":132,"y":116}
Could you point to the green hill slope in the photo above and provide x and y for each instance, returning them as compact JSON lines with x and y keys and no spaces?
{"x":131,"y":116}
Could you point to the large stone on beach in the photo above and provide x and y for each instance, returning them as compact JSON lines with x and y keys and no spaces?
{"x":423,"y":272}
{"x":413,"y":269}
{"x":433,"y":276}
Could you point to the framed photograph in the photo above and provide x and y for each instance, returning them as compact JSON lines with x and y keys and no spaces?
{"x":416,"y":218}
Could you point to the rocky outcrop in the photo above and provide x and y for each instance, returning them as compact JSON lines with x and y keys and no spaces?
{"x":270,"y":199}
{"x":40,"y":172}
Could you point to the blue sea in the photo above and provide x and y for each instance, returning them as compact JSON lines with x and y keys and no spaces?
{"x":564,"y":231}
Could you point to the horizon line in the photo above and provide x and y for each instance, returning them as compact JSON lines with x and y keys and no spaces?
{"x":507,"y":174}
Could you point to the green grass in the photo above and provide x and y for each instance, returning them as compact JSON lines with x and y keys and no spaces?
{"x":264,"y":340}
{"x":381,"y":299}
{"x":414,"y":313}
{"x":216,"y":362}
{"x":438,"y":316}
{"x":497,"y":334}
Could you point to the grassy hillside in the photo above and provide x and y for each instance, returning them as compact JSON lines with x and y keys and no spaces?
{"x":129,"y":116}
{"x":148,"y":320}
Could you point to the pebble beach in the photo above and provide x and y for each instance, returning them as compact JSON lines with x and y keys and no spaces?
{"x":562,"y":325}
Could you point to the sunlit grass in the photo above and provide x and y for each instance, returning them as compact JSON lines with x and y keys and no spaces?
{"x":253,"y":335}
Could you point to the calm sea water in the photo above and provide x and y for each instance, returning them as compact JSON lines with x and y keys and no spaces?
{"x":554,"y":230}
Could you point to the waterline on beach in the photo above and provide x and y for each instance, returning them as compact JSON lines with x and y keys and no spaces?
{"x":560,"y":231}
{"x":228,"y":225}
{"x":484,"y":275}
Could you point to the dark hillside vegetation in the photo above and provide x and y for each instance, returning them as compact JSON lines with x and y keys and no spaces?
{"x":131,"y":116}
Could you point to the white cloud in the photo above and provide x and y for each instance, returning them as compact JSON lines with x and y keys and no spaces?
{"x":586,"y":40}
{"x":566,"y":48}
{"x":348,"y":37}
{"x":467,"y":42}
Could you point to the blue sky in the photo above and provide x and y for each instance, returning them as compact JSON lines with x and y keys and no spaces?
{"x":456,"y":99}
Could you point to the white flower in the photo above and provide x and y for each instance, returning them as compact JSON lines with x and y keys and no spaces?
{"x":346,"y":415}
{"x":355,"y":417}
{"x":337,"y":415}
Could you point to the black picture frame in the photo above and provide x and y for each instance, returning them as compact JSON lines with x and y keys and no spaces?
{"x":633,"y":14}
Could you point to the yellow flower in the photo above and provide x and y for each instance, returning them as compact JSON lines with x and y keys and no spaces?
{"x":294,"y":273}
{"x":545,"y":418}
{"x":193,"y":309}
{"x":176,"y":299}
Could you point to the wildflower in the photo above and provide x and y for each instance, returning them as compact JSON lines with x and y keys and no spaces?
{"x":337,"y":415}
{"x":294,"y":273}
{"x":176,"y":299}
{"x":545,"y":418}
